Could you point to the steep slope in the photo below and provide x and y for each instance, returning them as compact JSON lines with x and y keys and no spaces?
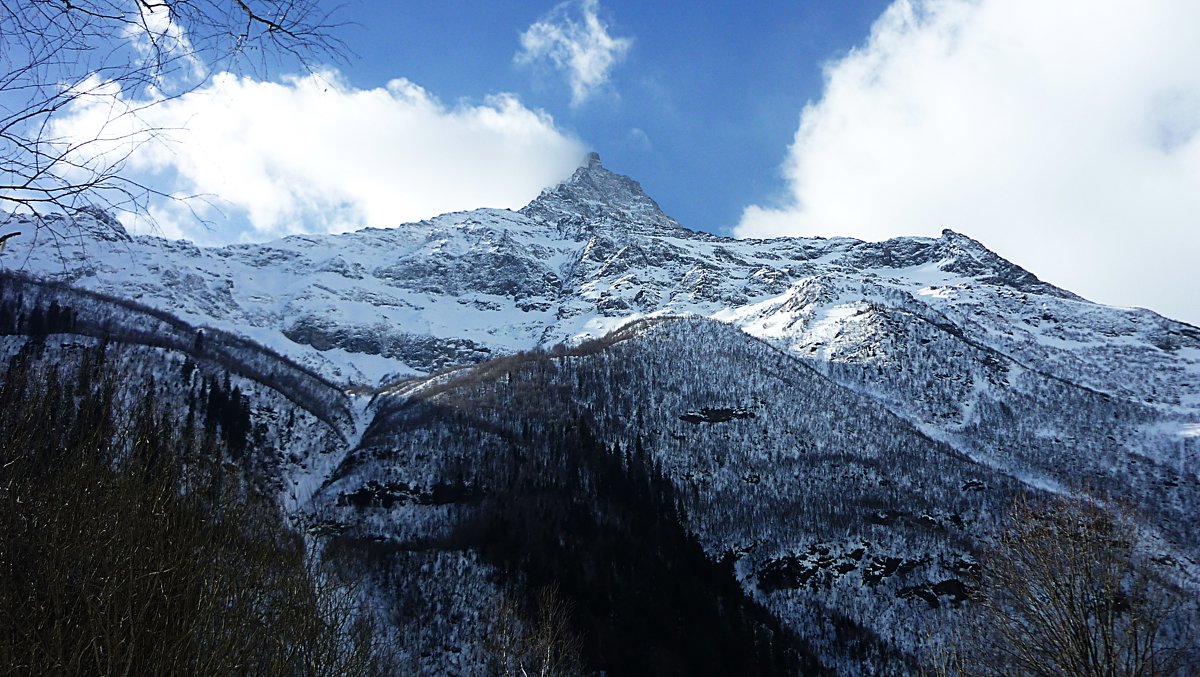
{"x":293,"y":424}
{"x":768,"y":460}
{"x":842,"y":519}
{"x":823,"y":430}
{"x":587,"y":256}
{"x":942,"y":332}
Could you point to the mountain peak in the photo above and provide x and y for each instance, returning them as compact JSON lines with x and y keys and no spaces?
{"x":596,"y":198}
{"x":970,"y":256}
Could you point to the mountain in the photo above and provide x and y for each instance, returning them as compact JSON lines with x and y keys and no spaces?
{"x":817,"y":434}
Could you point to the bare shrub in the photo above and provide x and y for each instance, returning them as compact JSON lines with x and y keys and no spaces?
{"x":539,"y":642}
{"x":1066,"y":591}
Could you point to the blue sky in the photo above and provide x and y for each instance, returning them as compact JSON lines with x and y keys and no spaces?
{"x":700,"y":110}
{"x":1065,"y":136}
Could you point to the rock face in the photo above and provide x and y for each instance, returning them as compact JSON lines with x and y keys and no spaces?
{"x":595,"y":252}
{"x":580,"y":260}
{"x":595,"y":200}
{"x":838,"y":423}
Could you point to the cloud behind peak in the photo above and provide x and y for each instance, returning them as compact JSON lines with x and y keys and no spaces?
{"x":1063,"y":135}
{"x":315,"y":154}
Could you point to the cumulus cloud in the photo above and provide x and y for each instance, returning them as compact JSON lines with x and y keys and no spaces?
{"x":314,"y":154}
{"x":1064,"y":135}
{"x":580,"y":47}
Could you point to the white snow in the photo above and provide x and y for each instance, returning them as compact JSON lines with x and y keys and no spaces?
{"x":508,"y":281}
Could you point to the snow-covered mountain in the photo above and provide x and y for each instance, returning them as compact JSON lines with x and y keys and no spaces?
{"x":841,"y":421}
{"x":588,"y":256}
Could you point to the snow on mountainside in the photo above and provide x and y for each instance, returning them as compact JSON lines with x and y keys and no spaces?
{"x":596,"y":252}
{"x":842,"y":421}
{"x":590,"y":255}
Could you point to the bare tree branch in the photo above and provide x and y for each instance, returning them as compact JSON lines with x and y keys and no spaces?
{"x":122,"y":57}
{"x":1067,"y":591}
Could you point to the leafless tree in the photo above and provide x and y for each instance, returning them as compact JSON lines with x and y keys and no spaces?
{"x":123,"y":56}
{"x":1066,"y":591}
{"x":537,"y":644}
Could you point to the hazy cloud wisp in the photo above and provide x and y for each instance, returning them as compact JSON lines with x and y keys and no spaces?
{"x":579,"y":47}
{"x":1064,"y":135}
{"x":163,"y":45}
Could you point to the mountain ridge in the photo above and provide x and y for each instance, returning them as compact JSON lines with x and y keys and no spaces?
{"x":577,"y":261}
{"x":829,"y":428}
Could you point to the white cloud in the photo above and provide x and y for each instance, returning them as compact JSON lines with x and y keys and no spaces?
{"x":163,"y":44}
{"x":581,"y":49}
{"x":1063,"y":135}
{"x":314,"y":154}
